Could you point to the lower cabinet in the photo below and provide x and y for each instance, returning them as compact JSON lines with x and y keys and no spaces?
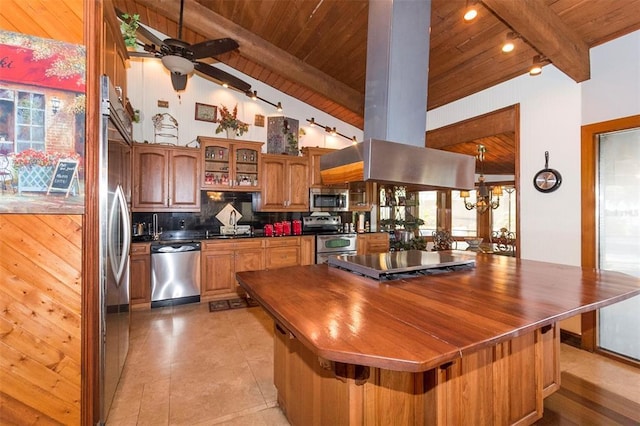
{"x":220,"y":260}
{"x":140,"y":275}
{"x":282,"y":252}
{"x":377,"y":242}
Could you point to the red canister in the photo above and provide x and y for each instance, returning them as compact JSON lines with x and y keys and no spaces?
{"x":268,"y":230}
{"x":286,"y":228}
{"x":278,"y":229}
{"x":297,"y":227}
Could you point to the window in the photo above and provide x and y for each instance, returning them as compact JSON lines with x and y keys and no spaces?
{"x":428,"y":211}
{"x":30,"y":111}
{"x":464,"y":223}
{"x":7,"y":113}
{"x":505,"y":215}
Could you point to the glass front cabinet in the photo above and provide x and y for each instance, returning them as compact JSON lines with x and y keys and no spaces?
{"x":230,"y":165}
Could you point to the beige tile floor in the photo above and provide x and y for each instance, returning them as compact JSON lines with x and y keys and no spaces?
{"x":189,"y":366}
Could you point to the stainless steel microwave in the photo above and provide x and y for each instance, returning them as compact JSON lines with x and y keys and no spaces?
{"x":328,"y":200}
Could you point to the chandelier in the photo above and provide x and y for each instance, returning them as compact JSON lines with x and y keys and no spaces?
{"x":486,"y":197}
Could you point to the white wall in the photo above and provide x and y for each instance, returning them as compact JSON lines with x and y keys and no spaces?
{"x":614,"y":88}
{"x":552,"y":109}
{"x":148,"y":81}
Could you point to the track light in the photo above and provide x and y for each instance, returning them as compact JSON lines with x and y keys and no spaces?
{"x":254,"y":95}
{"x":331,"y":130}
{"x":509,"y":42}
{"x":279,"y":107}
{"x":470,"y":12}
{"x":225,"y":85}
{"x":536,"y":67}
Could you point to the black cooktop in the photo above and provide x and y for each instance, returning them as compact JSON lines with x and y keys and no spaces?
{"x":401,"y":264}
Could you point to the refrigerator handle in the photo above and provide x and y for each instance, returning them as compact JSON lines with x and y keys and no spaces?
{"x":120,"y":201}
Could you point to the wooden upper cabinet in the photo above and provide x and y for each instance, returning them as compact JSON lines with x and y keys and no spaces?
{"x":314,"y":154}
{"x":228,"y":165}
{"x":284,"y":183}
{"x":165,"y":179}
{"x":114,"y":51}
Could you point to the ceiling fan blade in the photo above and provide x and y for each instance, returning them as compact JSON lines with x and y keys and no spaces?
{"x":212,"y":48}
{"x":178,"y":81}
{"x":222,"y":76}
{"x":141,"y":54}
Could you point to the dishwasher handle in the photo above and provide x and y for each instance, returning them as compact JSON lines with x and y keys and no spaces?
{"x":174,"y":248}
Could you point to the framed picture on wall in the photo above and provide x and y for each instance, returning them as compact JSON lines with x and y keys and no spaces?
{"x":206,"y":112}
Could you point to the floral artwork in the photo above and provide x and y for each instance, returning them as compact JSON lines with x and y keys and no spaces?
{"x":42,"y":116}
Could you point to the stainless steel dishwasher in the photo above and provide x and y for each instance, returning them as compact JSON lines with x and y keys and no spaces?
{"x":175,"y":273}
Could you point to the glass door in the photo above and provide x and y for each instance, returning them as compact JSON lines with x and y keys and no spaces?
{"x":618,"y":241}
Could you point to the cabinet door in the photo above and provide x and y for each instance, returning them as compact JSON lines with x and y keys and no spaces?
{"x":280,"y":257}
{"x":249,"y":259}
{"x":217,"y":272}
{"x":550,"y":336}
{"x":150,"y":176}
{"x":184,"y":180}
{"x":308,"y":250}
{"x":273,"y":184}
{"x":216,"y":164}
{"x":298,"y":184}
{"x":140,"y":286}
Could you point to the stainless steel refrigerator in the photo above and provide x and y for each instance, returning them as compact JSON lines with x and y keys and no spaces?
{"x":115,"y":240}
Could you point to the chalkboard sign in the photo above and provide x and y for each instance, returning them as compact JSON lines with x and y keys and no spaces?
{"x":64,"y":176}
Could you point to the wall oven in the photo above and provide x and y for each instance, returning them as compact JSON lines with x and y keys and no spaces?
{"x":328,"y":200}
{"x":334,"y":244}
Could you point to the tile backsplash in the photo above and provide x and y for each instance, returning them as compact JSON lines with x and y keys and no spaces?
{"x":211,"y":204}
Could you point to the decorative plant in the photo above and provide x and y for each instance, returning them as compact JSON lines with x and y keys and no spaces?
{"x":229,"y":121}
{"x":31,"y":157}
{"x":129,"y":26}
{"x":292,"y":141}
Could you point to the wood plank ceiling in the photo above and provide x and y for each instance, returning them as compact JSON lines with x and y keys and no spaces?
{"x":315,"y":50}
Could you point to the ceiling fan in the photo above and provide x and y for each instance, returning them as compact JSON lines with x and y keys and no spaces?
{"x":182,"y":58}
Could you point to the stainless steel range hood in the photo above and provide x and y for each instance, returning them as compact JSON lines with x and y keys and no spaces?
{"x":393,"y":149}
{"x":398,"y":164}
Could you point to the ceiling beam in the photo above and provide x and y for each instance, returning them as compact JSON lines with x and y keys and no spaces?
{"x":483,"y":126}
{"x":257,"y":50}
{"x":546,"y":33}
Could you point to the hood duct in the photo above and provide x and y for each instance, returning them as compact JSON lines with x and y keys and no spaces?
{"x":395,"y":109}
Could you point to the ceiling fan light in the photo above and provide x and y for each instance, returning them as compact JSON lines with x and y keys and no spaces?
{"x":177,"y":64}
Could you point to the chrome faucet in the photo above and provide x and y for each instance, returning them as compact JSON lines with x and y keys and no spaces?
{"x":156,"y":234}
{"x":232,"y":221}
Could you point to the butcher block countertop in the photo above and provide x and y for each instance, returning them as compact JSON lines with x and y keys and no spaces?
{"x":416,"y":324}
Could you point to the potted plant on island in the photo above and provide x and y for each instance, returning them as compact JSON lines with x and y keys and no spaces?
{"x":229,"y":123}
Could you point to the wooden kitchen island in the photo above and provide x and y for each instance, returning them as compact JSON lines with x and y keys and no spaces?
{"x":477,"y":346}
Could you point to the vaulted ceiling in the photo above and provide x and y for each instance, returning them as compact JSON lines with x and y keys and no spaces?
{"x":315,"y":50}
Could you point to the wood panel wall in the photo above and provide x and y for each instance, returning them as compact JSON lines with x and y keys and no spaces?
{"x":40,"y":301}
{"x":41,"y":273}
